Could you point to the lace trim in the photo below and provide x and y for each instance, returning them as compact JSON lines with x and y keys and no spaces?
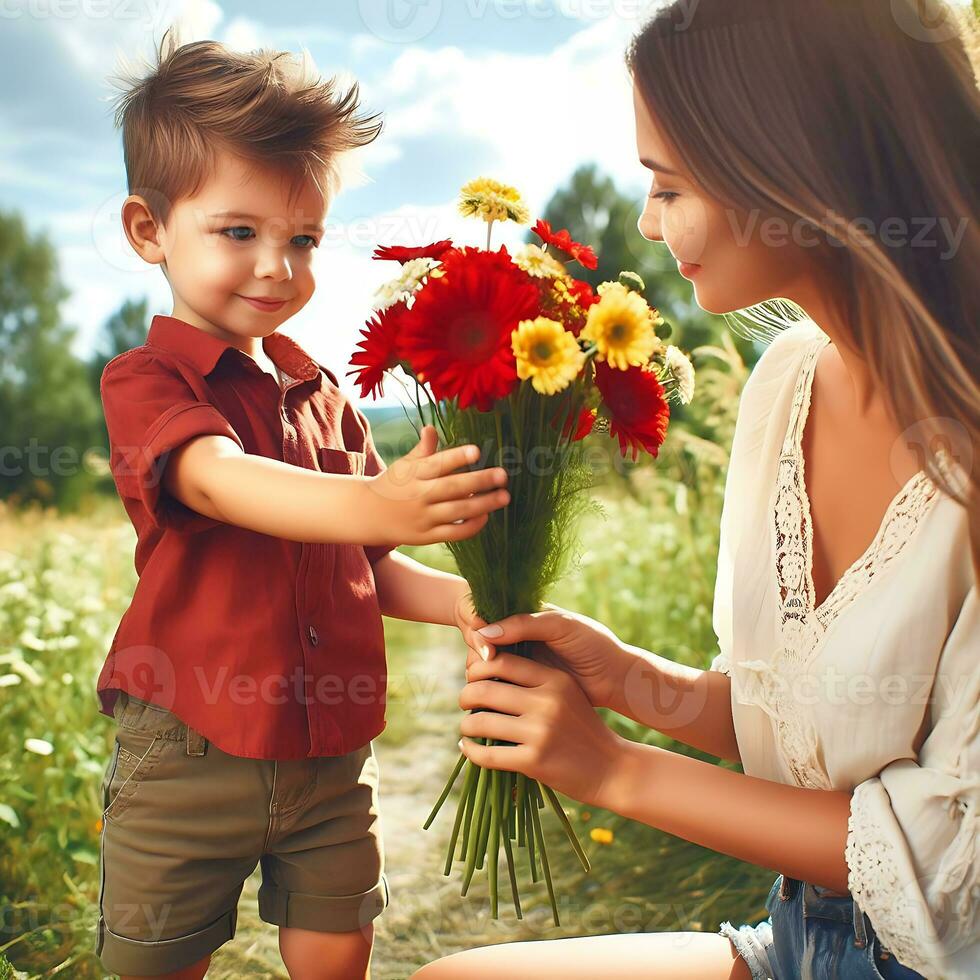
{"x":802,"y":624}
{"x":876,"y":887}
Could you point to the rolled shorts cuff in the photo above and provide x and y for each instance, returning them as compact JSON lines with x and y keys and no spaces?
{"x":322,"y":913}
{"x":153,"y":957}
{"x":753,"y":944}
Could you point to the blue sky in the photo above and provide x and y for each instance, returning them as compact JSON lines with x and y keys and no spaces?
{"x":522,"y":90}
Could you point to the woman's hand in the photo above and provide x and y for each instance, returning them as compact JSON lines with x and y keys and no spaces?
{"x":560,"y":740}
{"x":592,"y":654}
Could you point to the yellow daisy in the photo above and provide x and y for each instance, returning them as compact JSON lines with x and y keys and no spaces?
{"x":547,"y":354}
{"x":621,"y":326}
{"x":492,"y":201}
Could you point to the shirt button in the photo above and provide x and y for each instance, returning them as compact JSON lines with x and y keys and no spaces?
{"x":314,"y":636}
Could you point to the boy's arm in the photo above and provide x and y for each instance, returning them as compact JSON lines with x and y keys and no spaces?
{"x":415,"y":501}
{"x":407,"y":589}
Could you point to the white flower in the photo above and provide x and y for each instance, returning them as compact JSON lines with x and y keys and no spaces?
{"x":408,"y":282}
{"x":682,"y":371}
{"x":535,"y":261}
{"x":39,"y":745}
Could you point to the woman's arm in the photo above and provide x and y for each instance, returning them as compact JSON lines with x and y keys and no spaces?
{"x":557,"y":737}
{"x":799,"y":832}
{"x":690,"y":705}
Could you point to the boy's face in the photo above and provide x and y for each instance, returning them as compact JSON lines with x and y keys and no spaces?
{"x":239,"y":238}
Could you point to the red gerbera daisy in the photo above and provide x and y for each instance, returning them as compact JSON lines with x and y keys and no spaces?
{"x":379,"y":350}
{"x":637,"y":406}
{"x":562,"y":240}
{"x":405,"y":253}
{"x":457,"y":334}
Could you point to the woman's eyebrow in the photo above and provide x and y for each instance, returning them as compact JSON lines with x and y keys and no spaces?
{"x":659,"y":167}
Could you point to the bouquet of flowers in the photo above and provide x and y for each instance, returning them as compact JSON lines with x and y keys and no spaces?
{"x":516,"y":355}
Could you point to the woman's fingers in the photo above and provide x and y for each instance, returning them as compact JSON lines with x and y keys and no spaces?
{"x":546,"y":625}
{"x":492,"y":696}
{"x":510,"y":667}
{"x":489,"y":724}
{"x":507,"y":757}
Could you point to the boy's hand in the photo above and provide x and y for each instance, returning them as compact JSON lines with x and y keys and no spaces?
{"x":420,"y":498}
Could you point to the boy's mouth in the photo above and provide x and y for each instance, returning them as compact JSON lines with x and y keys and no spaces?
{"x":266,"y":305}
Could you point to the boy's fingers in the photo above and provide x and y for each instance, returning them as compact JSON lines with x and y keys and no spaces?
{"x":457,"y":532}
{"x":447,"y":461}
{"x":481,"y":503}
{"x":461,"y":485}
{"x":426,"y":446}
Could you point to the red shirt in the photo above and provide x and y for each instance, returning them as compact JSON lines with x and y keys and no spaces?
{"x":272,"y":649}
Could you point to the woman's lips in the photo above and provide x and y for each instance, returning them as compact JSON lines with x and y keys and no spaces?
{"x":263,"y":305}
{"x":688,"y":269}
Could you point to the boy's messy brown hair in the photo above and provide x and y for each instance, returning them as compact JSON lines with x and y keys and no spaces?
{"x":269,"y":107}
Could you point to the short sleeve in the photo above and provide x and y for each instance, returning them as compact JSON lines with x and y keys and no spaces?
{"x":150,"y":409}
{"x":912,"y":838}
{"x":373,"y":465}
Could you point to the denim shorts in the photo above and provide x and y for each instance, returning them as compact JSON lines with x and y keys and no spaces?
{"x":816,"y":933}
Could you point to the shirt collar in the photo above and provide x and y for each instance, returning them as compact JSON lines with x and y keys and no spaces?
{"x":203,"y":349}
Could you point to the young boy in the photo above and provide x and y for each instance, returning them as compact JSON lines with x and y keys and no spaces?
{"x":247,"y":677}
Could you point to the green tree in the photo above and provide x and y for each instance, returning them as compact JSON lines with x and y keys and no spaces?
{"x":49,"y":415}
{"x":123,"y":331}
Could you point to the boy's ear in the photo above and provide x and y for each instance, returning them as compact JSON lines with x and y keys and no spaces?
{"x":142,"y":229}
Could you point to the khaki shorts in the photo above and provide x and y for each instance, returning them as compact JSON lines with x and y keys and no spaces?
{"x":185,"y":824}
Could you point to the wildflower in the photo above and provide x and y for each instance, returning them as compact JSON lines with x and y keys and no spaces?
{"x":621,"y":326}
{"x":547,"y":354}
{"x":492,"y":201}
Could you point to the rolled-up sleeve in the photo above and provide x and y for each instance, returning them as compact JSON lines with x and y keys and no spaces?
{"x":912,"y":839}
{"x":150,"y":409}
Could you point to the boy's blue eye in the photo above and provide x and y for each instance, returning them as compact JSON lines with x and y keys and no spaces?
{"x":248,"y":231}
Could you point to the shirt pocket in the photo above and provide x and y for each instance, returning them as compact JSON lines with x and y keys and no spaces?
{"x":342,"y":461}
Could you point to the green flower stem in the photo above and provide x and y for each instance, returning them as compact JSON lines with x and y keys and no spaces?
{"x":483,"y":840}
{"x":478,"y":808}
{"x":449,"y":785}
{"x":511,"y":869}
{"x":521,"y":808}
{"x":529,"y":823}
{"x":468,"y":816}
{"x":544,"y":852}
{"x":469,"y":781}
{"x":569,"y":830}
{"x":493,"y":842}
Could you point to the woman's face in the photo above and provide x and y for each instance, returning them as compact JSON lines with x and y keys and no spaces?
{"x":734,"y":259}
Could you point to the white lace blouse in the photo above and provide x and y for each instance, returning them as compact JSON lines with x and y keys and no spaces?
{"x":875,"y":690}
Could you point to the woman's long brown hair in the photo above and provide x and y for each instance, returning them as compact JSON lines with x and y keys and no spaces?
{"x":860,"y":119}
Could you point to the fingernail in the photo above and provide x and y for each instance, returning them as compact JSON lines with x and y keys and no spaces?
{"x":491,"y":631}
{"x":460,"y":744}
{"x":484,"y":653}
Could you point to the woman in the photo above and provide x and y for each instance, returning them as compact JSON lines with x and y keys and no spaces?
{"x":846,"y":602}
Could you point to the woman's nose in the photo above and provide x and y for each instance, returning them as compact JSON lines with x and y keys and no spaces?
{"x":649,"y":227}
